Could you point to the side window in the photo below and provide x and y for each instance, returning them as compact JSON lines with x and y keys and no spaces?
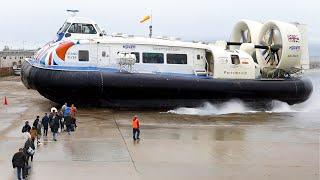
{"x":177,"y":59}
{"x":235,"y":59}
{"x":137,"y":54}
{"x":103,"y":54}
{"x":154,"y":58}
{"x":83,"y":55}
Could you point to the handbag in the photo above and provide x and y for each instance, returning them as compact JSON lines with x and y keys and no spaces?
{"x":30,"y":151}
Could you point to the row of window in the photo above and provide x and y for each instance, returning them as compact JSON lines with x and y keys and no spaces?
{"x":158,"y":58}
{"x":151,"y":58}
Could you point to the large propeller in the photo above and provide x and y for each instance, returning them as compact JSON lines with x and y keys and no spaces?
{"x":272,"y":39}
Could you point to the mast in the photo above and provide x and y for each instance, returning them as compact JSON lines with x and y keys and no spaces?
{"x":150,"y":26}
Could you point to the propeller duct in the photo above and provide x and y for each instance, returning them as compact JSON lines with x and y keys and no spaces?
{"x":284,"y":42}
{"x":246,"y":31}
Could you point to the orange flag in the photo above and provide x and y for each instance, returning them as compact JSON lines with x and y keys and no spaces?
{"x":145,"y":18}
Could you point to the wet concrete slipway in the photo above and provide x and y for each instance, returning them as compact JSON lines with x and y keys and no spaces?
{"x":226,"y":141}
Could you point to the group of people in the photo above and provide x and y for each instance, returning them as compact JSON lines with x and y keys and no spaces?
{"x":65,"y":120}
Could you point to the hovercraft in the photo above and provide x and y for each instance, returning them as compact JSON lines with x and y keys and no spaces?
{"x":261,"y":63}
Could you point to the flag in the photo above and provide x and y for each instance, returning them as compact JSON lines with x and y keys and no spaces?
{"x":145,"y":18}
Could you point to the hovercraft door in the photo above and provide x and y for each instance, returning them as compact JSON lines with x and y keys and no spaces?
{"x":103,"y":56}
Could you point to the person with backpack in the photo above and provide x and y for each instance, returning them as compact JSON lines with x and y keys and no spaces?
{"x":26,"y":127}
{"x":54,"y":125}
{"x":29,"y":149}
{"x":34,"y":135}
{"x":67,"y":119}
{"x":19,"y":162}
{"x":45,"y":124}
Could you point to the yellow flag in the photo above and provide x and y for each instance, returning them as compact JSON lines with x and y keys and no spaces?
{"x":145,"y":18}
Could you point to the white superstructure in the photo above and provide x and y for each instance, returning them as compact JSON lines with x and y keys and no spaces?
{"x":81,"y":43}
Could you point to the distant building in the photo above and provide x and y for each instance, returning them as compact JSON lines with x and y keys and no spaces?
{"x":11,"y":58}
{"x":315,"y":62}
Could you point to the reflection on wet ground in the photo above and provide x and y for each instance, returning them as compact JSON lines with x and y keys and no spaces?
{"x":258,"y":145}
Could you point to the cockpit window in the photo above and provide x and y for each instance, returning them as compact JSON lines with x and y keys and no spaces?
{"x":64,"y":27}
{"x":82,"y":28}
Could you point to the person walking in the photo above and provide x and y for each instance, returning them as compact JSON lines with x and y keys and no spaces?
{"x":36,"y":122}
{"x":26,"y":127}
{"x":61,"y":121}
{"x":54,"y":125}
{"x":67,"y":118}
{"x":63,"y":108}
{"x":29,"y":149}
{"x":34,"y":134}
{"x":136,"y":128}
{"x":39,"y":132}
{"x":45,"y":124}
{"x":68,"y":123}
{"x":73,"y":111}
{"x":19,"y":162}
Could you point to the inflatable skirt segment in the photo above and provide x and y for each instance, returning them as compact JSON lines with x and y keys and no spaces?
{"x":105,"y":88}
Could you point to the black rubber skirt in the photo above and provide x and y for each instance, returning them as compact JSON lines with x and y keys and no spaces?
{"x":137,"y":90}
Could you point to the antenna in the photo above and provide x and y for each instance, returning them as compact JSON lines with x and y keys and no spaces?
{"x":72,"y":12}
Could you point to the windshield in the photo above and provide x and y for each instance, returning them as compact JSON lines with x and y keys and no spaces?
{"x":82,"y":28}
{"x":64,"y":28}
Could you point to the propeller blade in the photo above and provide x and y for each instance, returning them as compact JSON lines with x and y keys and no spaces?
{"x":265,"y":51}
{"x":278,"y":57}
{"x":276,"y":47}
{"x":270,"y":36}
{"x":267,"y":58}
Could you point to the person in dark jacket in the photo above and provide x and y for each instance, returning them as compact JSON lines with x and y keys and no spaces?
{"x":45,"y":124}
{"x":28,"y":144}
{"x":26,"y":127}
{"x":54,"y":125}
{"x":19,"y":162}
{"x":36,"y":121}
{"x":68,"y":123}
{"x":61,"y":121}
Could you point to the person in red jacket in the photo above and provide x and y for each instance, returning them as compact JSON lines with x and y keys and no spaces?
{"x":135,"y":128}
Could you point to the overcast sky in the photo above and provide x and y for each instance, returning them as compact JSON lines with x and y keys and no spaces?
{"x":38,"y":20}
